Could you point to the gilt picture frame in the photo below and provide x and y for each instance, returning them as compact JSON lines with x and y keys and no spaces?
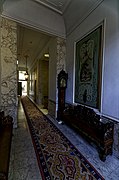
{"x":88,"y":65}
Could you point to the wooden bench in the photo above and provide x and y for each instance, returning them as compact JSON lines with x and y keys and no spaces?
{"x":96,"y":129}
{"x":6,"y":127}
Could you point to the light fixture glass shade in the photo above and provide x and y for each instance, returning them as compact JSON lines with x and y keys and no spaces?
{"x":46,"y":55}
{"x":26,"y":74}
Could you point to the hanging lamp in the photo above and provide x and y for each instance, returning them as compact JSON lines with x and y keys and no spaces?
{"x":26,"y":73}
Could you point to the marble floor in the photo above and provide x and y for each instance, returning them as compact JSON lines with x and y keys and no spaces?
{"x":23,"y":163}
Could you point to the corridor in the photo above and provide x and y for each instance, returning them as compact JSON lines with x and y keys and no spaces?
{"x":23,"y":162}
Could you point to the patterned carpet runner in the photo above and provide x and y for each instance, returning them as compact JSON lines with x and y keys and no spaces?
{"x":57,"y":158}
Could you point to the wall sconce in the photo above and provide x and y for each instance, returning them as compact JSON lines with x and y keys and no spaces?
{"x":46,"y":55}
{"x":26,"y":73}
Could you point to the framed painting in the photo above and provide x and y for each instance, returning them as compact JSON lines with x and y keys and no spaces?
{"x":88,"y":69}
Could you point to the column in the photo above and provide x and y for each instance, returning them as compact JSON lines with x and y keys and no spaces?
{"x":9,"y":68}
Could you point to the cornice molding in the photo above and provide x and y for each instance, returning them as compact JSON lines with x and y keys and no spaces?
{"x":48,"y":6}
{"x":33,"y":25}
{"x":76,"y":25}
{"x":52,"y":6}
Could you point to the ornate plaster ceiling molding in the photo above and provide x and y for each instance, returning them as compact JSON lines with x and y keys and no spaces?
{"x":58,"y":6}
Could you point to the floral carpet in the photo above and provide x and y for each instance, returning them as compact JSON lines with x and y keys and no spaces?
{"x":57,"y":157}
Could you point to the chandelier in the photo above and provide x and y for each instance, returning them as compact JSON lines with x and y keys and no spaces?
{"x":26,"y":73}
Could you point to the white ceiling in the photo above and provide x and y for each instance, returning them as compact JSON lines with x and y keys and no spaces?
{"x":74,"y":12}
{"x":32,"y":42}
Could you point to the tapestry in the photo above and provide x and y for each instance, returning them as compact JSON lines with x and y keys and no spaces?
{"x":58,"y":159}
{"x":87,"y":69}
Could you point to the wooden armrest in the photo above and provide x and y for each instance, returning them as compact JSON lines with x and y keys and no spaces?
{"x":3,"y":176}
{"x":1,"y":114}
{"x":7,"y":120}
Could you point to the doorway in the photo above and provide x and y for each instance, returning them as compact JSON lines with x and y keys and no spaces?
{"x":22,"y":83}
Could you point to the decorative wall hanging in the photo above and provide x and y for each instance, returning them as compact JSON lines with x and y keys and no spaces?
{"x":88,"y":69}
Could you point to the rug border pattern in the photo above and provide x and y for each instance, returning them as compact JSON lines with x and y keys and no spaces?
{"x":38,"y":150}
